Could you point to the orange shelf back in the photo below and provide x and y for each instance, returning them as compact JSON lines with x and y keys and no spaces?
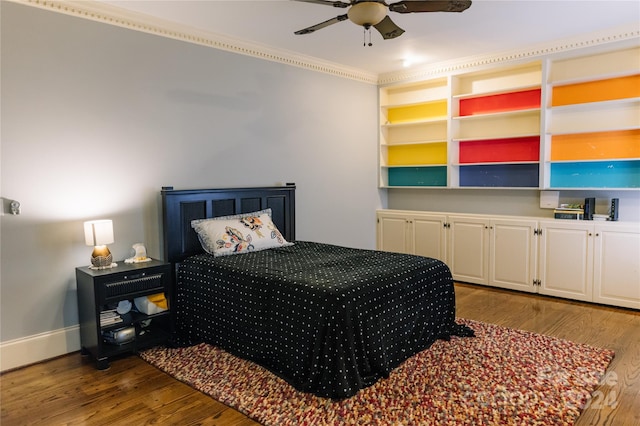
{"x":596,"y":146}
{"x":596,"y":91}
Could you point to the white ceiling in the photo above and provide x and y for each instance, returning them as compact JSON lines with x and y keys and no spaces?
{"x":487,"y":27}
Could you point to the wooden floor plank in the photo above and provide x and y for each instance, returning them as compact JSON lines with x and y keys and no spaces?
{"x":69,"y":390}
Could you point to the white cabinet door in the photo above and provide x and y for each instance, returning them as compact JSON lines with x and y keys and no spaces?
{"x":566,"y":259}
{"x":393,"y":233}
{"x":429,"y":236}
{"x":513,"y":255}
{"x":616,"y":268}
{"x":469,"y":249}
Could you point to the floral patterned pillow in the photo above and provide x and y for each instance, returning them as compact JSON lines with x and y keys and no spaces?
{"x":237,"y":234}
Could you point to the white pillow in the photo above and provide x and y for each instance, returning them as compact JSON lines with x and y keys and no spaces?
{"x":238,"y":234}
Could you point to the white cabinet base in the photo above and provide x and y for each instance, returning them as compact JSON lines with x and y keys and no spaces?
{"x":579,"y":260}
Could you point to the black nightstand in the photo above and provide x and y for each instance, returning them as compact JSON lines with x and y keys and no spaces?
{"x":100,"y":291}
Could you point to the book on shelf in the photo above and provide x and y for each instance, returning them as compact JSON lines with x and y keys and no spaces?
{"x":570,"y":206}
{"x":110,"y":321}
{"x":109,"y":317}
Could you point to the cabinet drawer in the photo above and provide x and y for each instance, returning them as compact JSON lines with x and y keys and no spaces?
{"x":136,"y":285}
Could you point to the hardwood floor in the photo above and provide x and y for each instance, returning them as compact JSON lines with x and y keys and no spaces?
{"x":69,"y":390}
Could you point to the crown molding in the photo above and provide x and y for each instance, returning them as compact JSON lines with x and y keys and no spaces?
{"x":112,"y":15}
{"x":622,"y":36}
{"x":108,"y":14}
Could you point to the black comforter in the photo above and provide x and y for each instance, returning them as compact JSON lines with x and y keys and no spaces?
{"x":329,"y":320}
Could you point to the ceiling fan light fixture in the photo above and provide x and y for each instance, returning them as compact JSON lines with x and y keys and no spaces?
{"x":367,"y":13}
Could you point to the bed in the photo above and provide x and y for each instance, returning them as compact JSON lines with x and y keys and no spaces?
{"x":329,"y":320}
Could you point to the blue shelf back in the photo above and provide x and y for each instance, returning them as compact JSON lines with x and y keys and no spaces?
{"x":596,"y":174}
{"x":500,"y":175}
{"x":418,"y":176}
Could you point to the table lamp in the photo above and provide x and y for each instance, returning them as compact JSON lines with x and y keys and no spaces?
{"x":99,"y":233}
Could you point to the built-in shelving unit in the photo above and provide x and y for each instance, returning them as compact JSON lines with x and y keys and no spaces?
{"x":569,"y":122}
{"x":495,"y":126}
{"x":593,"y":126}
{"x":413,"y":134}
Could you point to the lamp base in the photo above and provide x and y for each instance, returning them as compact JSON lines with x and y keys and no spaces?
{"x":96,"y":268}
{"x":103,"y":259}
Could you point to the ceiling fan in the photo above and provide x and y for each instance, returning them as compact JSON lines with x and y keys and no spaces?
{"x":374,"y":13}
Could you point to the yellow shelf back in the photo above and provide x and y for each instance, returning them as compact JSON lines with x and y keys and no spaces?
{"x":427,"y":111}
{"x":596,"y":146}
{"x":427,"y":154}
{"x":596,"y":91}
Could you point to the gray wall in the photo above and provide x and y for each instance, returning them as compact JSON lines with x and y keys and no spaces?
{"x":96,"y":118}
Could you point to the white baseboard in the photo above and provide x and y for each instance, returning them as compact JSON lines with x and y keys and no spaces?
{"x":39,"y":347}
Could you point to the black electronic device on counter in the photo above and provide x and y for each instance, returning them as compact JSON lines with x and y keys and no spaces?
{"x":615,"y":207}
{"x":589,"y":208}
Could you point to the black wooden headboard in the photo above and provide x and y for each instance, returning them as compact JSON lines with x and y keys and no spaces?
{"x":180,"y":207}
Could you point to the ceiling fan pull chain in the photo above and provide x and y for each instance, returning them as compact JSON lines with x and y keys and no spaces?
{"x":364,"y":35}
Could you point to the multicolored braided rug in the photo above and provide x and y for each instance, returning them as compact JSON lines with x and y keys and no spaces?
{"x":501,"y":377}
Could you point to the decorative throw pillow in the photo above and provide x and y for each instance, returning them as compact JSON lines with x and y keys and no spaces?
{"x":237,"y":234}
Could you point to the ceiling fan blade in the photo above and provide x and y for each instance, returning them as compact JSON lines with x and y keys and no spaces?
{"x":321,"y":25}
{"x":327,"y":3}
{"x":388,"y":28}
{"x":413,"y":6}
